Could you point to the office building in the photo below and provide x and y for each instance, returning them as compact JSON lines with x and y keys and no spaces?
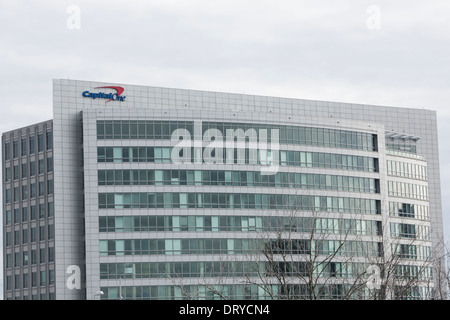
{"x":135,"y":192}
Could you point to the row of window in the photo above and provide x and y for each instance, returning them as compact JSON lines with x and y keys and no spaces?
{"x":404,"y":230}
{"x":31,"y":235}
{"x":41,"y":278}
{"x":407,"y":170}
{"x":251,"y":246}
{"x":411,"y":292}
{"x":238,"y":224}
{"x":238,"y":246}
{"x":43,"y":295}
{"x":238,"y":178}
{"x":407,"y":190}
{"x":28,"y":170}
{"x":297,"y":291}
{"x":229,"y":269}
{"x":26,"y":258}
{"x":411,"y":251}
{"x":407,"y":210}
{"x":401,"y":145}
{"x":172,"y":292}
{"x":25,"y":146}
{"x":31,"y":213}
{"x":31,"y":191}
{"x":328,"y":160}
{"x":238,"y":201}
{"x":322,"y":137}
{"x":407,"y":272}
{"x":286,"y":158}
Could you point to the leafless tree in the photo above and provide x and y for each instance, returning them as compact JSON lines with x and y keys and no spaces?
{"x":295,"y":258}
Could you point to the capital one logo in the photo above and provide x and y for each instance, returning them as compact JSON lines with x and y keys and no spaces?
{"x":114,"y":96}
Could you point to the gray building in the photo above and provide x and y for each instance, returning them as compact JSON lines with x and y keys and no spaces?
{"x":157,"y":193}
{"x":28,"y":212}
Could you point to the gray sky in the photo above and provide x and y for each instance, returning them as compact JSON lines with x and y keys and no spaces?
{"x":394,"y":53}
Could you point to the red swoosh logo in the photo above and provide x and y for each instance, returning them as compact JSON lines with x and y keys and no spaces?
{"x":118,"y":89}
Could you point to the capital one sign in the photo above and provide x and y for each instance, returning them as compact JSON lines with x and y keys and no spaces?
{"x":112,"y":96}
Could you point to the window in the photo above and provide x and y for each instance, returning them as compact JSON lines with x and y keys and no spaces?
{"x":42,"y":236}
{"x":17,"y":241}
{"x":51,"y":254}
{"x":15,"y":172}
{"x":7,"y":174}
{"x":51,"y":277}
{"x":41,"y":168}
{"x":49,"y":165}
{"x":16,"y":194}
{"x":8,"y":195}
{"x":25,"y":258}
{"x":8,"y":217}
{"x":32,"y":144}
{"x":15,"y":149}
{"x":49,"y":140}
{"x":24,"y":170}
{"x":137,"y":129}
{"x":51,"y":232}
{"x":7,"y":155}
{"x":41,"y":188}
{"x":23,"y":146}
{"x":50,"y":209}
{"x":43,"y":279}
{"x":243,"y":201}
{"x":33,"y":279}
{"x":287,"y":158}
{"x":41,"y":210}
{"x":25,"y":237}
{"x":32,"y":168}
{"x":40,"y":142}
{"x":50,"y":187}
{"x":33,"y":212}
{"x":33,"y":234}
{"x":24,"y":214}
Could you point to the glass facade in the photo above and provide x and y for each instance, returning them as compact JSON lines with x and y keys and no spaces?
{"x":237,"y":201}
{"x":287,"y":158}
{"x":238,"y":224}
{"x":219,"y":269}
{"x":407,"y":190}
{"x":311,"y":136}
{"x":236,"y":246}
{"x":408,"y":170}
{"x":237,"y":178}
{"x":408,"y":210}
{"x":121,"y":167}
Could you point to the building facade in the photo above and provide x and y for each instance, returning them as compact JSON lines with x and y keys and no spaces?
{"x":156,"y":193}
{"x":28,"y":212}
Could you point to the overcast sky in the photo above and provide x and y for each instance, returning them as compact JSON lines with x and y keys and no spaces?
{"x":394,"y":53}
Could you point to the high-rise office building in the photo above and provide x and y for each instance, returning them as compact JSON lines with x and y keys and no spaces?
{"x":135,"y":192}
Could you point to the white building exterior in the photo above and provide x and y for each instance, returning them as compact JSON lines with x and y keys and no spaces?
{"x":139,"y":226}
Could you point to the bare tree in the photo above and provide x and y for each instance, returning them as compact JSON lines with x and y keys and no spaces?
{"x":307,"y":261}
{"x":313,"y":255}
